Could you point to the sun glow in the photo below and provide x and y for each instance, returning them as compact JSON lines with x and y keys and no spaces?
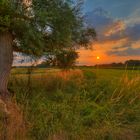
{"x":97,"y":57}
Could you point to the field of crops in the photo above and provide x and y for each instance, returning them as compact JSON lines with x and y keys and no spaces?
{"x":79,"y":104}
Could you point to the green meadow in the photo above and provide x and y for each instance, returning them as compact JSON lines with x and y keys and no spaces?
{"x":78,"y":104}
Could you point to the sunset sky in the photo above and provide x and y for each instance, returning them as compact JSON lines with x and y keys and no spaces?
{"x":117,"y":23}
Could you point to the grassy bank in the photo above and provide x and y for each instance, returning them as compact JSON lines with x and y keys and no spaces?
{"x":87,"y":104}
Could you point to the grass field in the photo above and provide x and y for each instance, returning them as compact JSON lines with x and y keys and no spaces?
{"x":80,"y":104}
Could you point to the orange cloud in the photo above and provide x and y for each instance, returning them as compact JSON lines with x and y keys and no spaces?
{"x":116,"y":27}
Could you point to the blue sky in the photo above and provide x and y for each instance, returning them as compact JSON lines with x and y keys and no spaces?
{"x":117,"y":8}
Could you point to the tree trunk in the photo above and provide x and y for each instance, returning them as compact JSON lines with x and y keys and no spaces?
{"x":6,"y":59}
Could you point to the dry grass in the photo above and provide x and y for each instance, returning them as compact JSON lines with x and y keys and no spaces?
{"x":13,"y":122}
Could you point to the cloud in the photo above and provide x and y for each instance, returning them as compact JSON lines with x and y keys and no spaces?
{"x":126,"y":52}
{"x":133,"y":18}
{"x":120,"y":48}
{"x":126,"y":49}
{"x":105,"y":26}
{"x":99,"y":19}
{"x":115,"y":27}
{"x":133,"y":32}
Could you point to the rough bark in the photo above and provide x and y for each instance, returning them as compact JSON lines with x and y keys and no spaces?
{"x":6,"y":59}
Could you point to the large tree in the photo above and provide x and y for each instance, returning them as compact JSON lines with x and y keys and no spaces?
{"x":38,"y":27}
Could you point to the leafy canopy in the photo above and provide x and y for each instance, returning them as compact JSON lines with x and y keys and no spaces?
{"x":40,"y":26}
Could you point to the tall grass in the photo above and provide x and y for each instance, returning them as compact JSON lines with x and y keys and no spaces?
{"x":78,"y":105}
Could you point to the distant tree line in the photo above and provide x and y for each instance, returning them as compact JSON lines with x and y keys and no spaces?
{"x":129,"y":64}
{"x":133,"y":63}
{"x":67,"y":59}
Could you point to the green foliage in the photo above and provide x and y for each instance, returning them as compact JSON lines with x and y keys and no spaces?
{"x":43,"y":25}
{"x":66,"y":59}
